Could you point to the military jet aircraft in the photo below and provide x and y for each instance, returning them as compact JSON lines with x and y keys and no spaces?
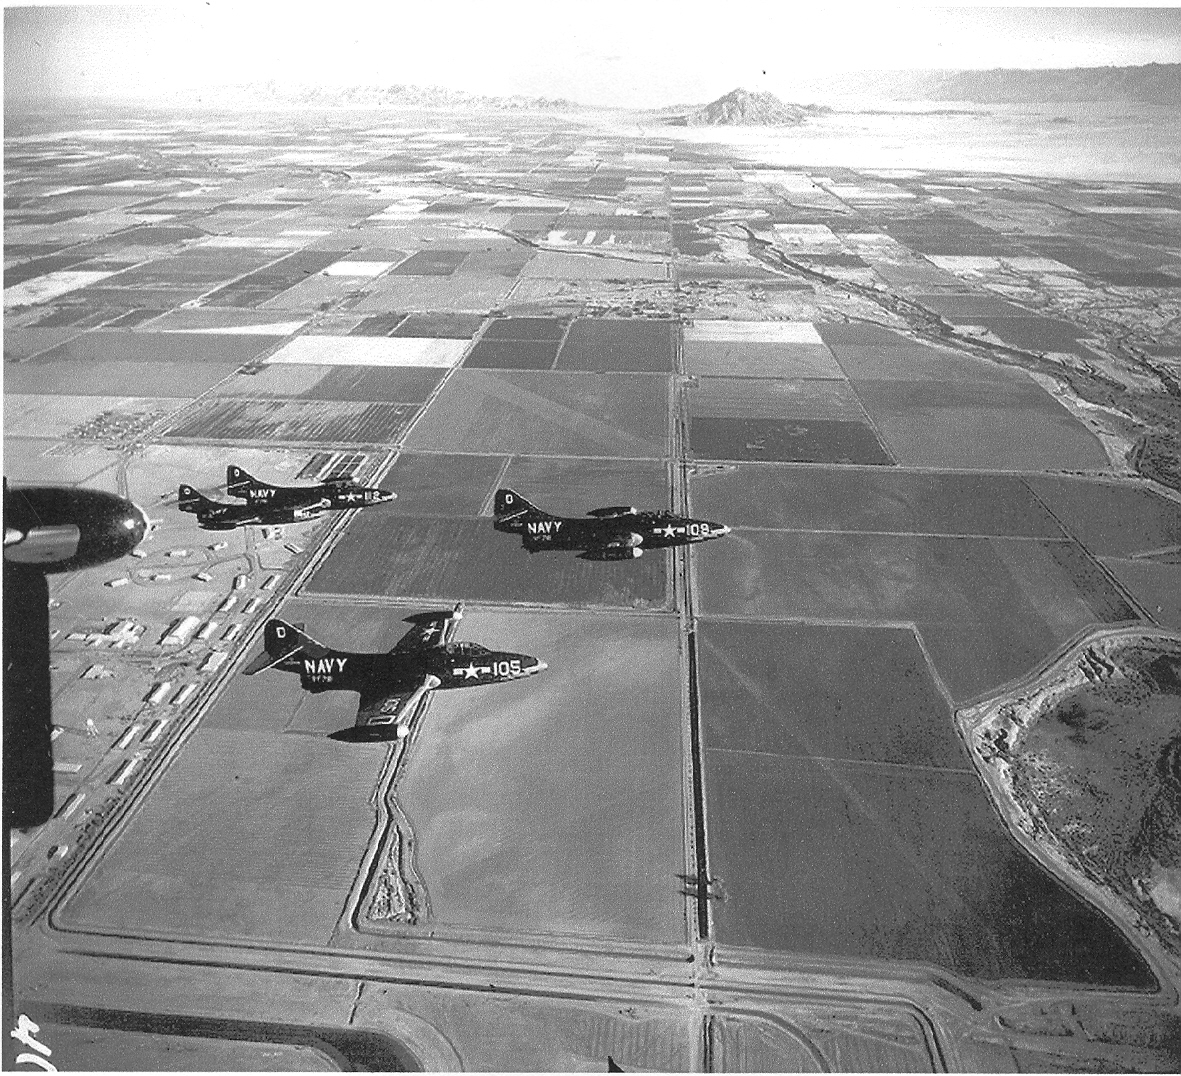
{"x":220,"y":516}
{"x":616,"y":533}
{"x":333,"y":495}
{"x":391,"y":685}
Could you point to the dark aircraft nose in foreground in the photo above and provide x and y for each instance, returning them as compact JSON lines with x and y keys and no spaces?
{"x":57,"y":529}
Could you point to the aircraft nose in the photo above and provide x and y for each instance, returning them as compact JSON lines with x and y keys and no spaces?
{"x":386,"y":495}
{"x":537,"y":666}
{"x":136,"y":525}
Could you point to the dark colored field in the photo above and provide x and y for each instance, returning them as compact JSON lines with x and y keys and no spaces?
{"x":888,"y":863}
{"x":379,"y":384}
{"x":192,"y":268}
{"x":860,"y":694}
{"x":848,"y":499}
{"x":378,"y":325}
{"x":505,"y":263}
{"x":294,"y":422}
{"x":837,"y":261}
{"x":785,"y":440}
{"x":156,"y":348}
{"x":1157,"y":587}
{"x":624,"y":344}
{"x":1150,"y":279}
{"x":982,"y":426}
{"x":441,"y":485}
{"x":763,"y":360}
{"x":805,"y":399}
{"x":262,"y":852}
{"x":396,"y":555}
{"x":1112,"y":519}
{"x":860,"y":334}
{"x":571,"y":487}
{"x":430,"y":263}
{"x":1033,"y":333}
{"x":557,"y":413}
{"x":271,"y":280}
{"x":918,"y":363}
{"x":512,"y":355}
{"x":131,"y":297}
{"x":18,"y":274}
{"x":114,"y":378}
{"x":440,"y":326}
{"x":526,"y":329}
{"x":963,"y":309}
{"x":988,"y":609}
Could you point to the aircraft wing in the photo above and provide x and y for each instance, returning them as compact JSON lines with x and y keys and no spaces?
{"x":430,"y":629}
{"x":390,"y":707}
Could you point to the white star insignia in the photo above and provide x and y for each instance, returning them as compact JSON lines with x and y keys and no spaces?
{"x":472,"y":672}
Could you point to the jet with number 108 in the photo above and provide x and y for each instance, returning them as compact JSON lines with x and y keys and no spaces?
{"x":616,"y":533}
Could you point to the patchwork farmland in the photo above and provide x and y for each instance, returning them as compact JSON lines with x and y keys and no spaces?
{"x":733,"y":823}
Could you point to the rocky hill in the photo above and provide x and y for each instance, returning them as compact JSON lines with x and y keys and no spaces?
{"x":745,"y":108}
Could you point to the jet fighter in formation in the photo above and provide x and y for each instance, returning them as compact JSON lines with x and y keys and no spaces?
{"x":615,"y":533}
{"x":269,"y":505}
{"x":391,"y":685}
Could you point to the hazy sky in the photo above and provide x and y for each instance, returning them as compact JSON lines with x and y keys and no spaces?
{"x":634,"y":53}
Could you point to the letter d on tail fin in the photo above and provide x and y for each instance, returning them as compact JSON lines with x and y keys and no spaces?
{"x":283,"y":643}
{"x":510,"y":510}
{"x":238,"y":482}
{"x":188,"y":499}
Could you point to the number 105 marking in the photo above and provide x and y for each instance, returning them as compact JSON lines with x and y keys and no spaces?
{"x":507,"y":668}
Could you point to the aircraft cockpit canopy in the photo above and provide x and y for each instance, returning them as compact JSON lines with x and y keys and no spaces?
{"x":467,"y":649}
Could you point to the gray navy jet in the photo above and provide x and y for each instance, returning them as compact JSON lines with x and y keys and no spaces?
{"x":333,"y":495}
{"x":616,"y":533}
{"x":220,"y":516}
{"x":391,"y":685}
{"x":268,"y":505}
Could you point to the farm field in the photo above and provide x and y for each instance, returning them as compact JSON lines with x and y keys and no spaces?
{"x":737,"y":787}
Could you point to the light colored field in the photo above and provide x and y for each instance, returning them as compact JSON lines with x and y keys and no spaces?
{"x":742,"y":359}
{"x":313,"y":294}
{"x":590,"y":841}
{"x":802,"y":398}
{"x":34,"y":461}
{"x":250,"y":242}
{"x":236,"y":843}
{"x":347,"y":268}
{"x":762,"y":332}
{"x":43,"y":288}
{"x":800,"y":237}
{"x":964,"y":263}
{"x":226,"y":320}
{"x":55,"y":416}
{"x":371,"y":351}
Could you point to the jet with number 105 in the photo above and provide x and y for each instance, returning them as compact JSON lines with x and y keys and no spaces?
{"x":391,"y":685}
{"x":616,"y":533}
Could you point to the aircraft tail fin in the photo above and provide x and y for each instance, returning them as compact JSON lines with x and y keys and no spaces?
{"x":284,"y":645}
{"x":511,"y":511}
{"x":240,"y":483}
{"x":189,"y":500}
